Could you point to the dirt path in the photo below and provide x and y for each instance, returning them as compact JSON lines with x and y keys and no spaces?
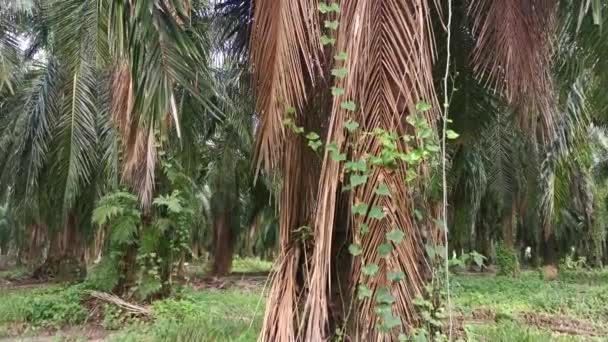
{"x":555,"y":323}
{"x":91,"y":332}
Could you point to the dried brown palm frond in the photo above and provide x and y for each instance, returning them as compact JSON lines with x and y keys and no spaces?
{"x":514,"y":51}
{"x":138,"y":144}
{"x":390,"y":53}
{"x":295,"y":210}
{"x":284,"y":50}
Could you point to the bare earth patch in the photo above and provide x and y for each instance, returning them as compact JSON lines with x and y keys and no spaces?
{"x":562,"y":324}
{"x":555,"y":323}
{"x":246,"y":282}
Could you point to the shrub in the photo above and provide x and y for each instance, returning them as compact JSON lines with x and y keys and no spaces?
{"x":506,"y":260}
{"x":56,"y":309}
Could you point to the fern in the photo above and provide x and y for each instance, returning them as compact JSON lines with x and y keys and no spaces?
{"x":114,"y":205}
{"x":172,"y":202}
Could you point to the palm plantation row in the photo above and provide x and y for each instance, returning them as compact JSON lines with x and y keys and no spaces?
{"x":137,"y":136}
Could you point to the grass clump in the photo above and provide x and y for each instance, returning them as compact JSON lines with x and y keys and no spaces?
{"x":251,"y":265}
{"x":15,"y":273}
{"x":43,"y":307}
{"x":579,"y":295}
{"x":210,"y":315}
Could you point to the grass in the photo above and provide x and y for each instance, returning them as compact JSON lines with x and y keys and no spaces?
{"x":576,"y":294}
{"x":513,"y":332}
{"x":199,"y":269}
{"x":251,"y":265}
{"x":34,"y":308}
{"x":236,"y":314}
{"x":15,"y":273}
{"x":213,"y":315}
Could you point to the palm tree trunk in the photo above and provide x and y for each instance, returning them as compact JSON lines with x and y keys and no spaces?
{"x":509,"y":226}
{"x":483,"y":241}
{"x":549,"y":248}
{"x":66,"y":254}
{"x":223,"y":244}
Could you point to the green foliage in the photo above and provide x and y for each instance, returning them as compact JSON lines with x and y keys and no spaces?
{"x":506,"y":260}
{"x":203,"y":316}
{"x":159,"y":242}
{"x":467,"y":260}
{"x":113,"y":317}
{"x":572,"y":262}
{"x":577,"y":294}
{"x":104,"y":276}
{"x":47,"y":307}
{"x":508,"y":331}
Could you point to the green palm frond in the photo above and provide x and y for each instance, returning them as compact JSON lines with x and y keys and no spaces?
{"x":28,"y":131}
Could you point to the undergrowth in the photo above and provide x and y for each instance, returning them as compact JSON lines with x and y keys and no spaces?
{"x":578,"y":294}
{"x":513,"y":332}
{"x":236,"y":315}
{"x":52,"y":306}
{"x":202,"y":316}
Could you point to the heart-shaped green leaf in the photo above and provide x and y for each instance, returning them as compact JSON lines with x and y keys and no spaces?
{"x":337,"y":157}
{"x":312,"y":136}
{"x":363,"y":292}
{"x":339,"y":72}
{"x":451,"y":134}
{"x":370,"y":270}
{"x":395,"y":235}
{"x":384,"y":250}
{"x":359,"y":209}
{"x":355,"y":249}
{"x":332,"y":25}
{"x":315,"y":144}
{"x":390,"y":322}
{"x":337,"y":91}
{"x":383,"y":190}
{"x":433,"y":148}
{"x":342,"y":56}
{"x":384,"y":296}
{"x":383,"y":309}
{"x":325,"y":40}
{"x":349,"y":105}
{"x":396,"y":276}
{"x":364,"y":228}
{"x":355,"y":166}
{"x":356,"y":180}
{"x":423,"y":107}
{"x":351,"y":126}
{"x":377,"y":213}
{"x":332,"y":147}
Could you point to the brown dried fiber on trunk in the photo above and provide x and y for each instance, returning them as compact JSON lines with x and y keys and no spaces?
{"x":284,"y":48}
{"x":390,"y":54}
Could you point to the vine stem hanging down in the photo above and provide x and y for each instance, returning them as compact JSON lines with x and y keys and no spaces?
{"x":446,"y":107}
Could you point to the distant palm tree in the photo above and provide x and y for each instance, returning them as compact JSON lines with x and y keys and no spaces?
{"x":114,"y":79}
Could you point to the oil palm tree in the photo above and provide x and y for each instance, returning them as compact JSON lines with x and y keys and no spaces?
{"x":91,"y":113}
